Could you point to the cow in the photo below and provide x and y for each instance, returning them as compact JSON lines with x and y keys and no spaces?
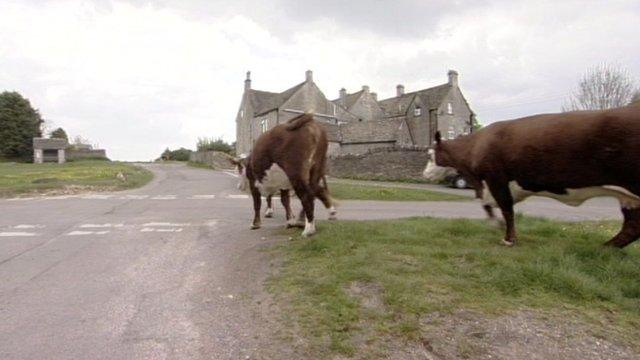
{"x":290,"y":156}
{"x":570,"y":157}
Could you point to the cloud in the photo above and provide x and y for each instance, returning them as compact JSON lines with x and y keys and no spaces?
{"x":138,"y":78}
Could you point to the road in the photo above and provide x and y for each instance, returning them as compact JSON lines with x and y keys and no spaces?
{"x":170,"y":270}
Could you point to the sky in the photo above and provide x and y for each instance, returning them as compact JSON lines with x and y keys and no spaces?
{"x":136,"y":77}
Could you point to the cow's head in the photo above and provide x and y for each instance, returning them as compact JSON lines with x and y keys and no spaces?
{"x":455,"y":154}
{"x":439,"y":164}
{"x":241,"y":167}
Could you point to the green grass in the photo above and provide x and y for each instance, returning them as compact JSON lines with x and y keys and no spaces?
{"x":21,"y":178}
{"x":199,"y":165}
{"x":424,"y":265}
{"x":368,"y":192}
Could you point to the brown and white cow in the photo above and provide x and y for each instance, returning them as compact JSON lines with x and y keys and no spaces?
{"x":290,"y":156}
{"x":570,"y":157}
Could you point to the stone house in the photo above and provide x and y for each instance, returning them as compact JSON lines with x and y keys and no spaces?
{"x":358,"y":122}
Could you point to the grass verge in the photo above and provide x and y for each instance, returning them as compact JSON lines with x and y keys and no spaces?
{"x":367,"y":192}
{"x":379,"y":280}
{"x":20,"y":178}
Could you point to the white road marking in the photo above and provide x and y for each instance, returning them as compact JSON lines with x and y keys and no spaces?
{"x":234,"y":196}
{"x":16,"y":233}
{"x":101,"y":225}
{"x":161,"y":230}
{"x":164,"y":197}
{"x":28,"y":226}
{"x":82,"y":233}
{"x":96,"y":197}
{"x":22,"y":199}
{"x":135,"y":197}
{"x":165,"y":224}
{"x":231,"y":174}
{"x":203,"y":197}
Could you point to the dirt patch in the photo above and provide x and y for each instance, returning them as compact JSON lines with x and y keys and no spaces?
{"x":521,"y":335}
{"x":368,"y":294}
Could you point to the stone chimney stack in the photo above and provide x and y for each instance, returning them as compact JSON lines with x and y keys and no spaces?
{"x":399,"y":90}
{"x":365,"y":88}
{"x":343,"y":96}
{"x":453,"y":77}
{"x":308,"y":76}
{"x":374,"y":96}
{"x":247,"y":82}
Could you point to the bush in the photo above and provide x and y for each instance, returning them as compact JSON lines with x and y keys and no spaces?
{"x":181,"y":154}
{"x":211,"y":144}
{"x":19,"y":124}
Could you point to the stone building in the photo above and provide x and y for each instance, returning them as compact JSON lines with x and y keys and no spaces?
{"x":358,"y":122}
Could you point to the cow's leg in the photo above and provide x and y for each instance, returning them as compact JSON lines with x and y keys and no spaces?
{"x":286,"y":203}
{"x":257,"y":203}
{"x":269,"y":212}
{"x":502,"y":195}
{"x":630,"y":231}
{"x":306,"y":196}
{"x":491,"y":216}
{"x":322,"y":193}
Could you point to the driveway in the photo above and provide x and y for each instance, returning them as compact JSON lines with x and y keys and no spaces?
{"x":170,"y":270}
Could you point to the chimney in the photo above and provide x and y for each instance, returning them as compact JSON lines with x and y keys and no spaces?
{"x":365,"y":88}
{"x":308,"y":76}
{"x":453,"y":77}
{"x":247,"y":82}
{"x":374,"y":96}
{"x":399,"y":90}
{"x":343,"y":96}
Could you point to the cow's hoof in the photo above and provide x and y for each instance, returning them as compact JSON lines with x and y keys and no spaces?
{"x":268,"y":213}
{"x":254,"y":226}
{"x":309,"y":229}
{"x":333,"y":214}
{"x":507,"y":243}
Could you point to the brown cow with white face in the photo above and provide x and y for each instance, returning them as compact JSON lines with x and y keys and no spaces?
{"x":290,"y":156}
{"x":570,"y":157}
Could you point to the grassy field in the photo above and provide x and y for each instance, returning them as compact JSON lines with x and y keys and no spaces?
{"x":368,"y":192}
{"x":20,"y":178}
{"x":356,"y":284}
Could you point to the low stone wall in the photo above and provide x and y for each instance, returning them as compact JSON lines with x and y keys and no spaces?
{"x":80,"y":154}
{"x":390,"y":163}
{"x":215,"y":159}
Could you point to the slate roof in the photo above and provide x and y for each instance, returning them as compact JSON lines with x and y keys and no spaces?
{"x":431,"y":98}
{"x":349,"y":100}
{"x":370,"y":131}
{"x":49,"y":144}
{"x":265,"y":101}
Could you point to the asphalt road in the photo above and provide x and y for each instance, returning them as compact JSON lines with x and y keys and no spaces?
{"x":167,"y":271}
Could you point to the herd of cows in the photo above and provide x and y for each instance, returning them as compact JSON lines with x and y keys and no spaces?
{"x":571,"y":157}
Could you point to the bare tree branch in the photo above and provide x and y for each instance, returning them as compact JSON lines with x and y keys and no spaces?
{"x":602,"y":87}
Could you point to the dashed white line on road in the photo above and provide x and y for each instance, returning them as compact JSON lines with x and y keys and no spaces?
{"x":28,"y":226}
{"x":135,"y":197}
{"x":151,"y":224}
{"x":16,"y":233}
{"x":164,"y":197}
{"x":203,"y":197}
{"x":80,"y":233}
{"x":161,"y":229}
{"x":231,"y":174}
{"x":101,"y":225}
{"x":234,"y":196}
{"x":96,"y":197}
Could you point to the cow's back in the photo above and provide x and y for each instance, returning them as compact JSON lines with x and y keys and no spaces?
{"x":566,"y":150}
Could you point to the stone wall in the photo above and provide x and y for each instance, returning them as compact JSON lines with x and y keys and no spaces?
{"x":79,"y":154}
{"x":391,"y":163}
{"x":215,"y":159}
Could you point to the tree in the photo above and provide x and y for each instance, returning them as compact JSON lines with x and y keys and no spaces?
{"x":19,"y":124}
{"x":181,"y":154}
{"x":59,"y":133}
{"x":602,"y":87}
{"x":211,"y":144}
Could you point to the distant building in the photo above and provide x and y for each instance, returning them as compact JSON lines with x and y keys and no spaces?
{"x":358,"y":121}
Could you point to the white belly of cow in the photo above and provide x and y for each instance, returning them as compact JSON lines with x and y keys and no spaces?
{"x":573,"y":197}
{"x":274,"y":180}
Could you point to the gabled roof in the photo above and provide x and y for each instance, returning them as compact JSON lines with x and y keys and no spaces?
{"x":264,"y":101}
{"x":431,"y":98}
{"x":371,"y":131}
{"x":349,"y":100}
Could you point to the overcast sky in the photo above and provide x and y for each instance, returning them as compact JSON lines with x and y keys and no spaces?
{"x":136,"y":77}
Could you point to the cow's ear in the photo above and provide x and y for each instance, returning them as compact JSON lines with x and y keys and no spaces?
{"x":438,"y":137}
{"x":233,"y":161}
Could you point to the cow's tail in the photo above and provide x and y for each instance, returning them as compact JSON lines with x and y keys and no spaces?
{"x":332,"y":200}
{"x":299,"y":121}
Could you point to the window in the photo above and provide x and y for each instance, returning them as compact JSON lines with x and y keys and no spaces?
{"x":449,"y":108}
{"x":417,"y":111}
{"x":242,"y":114}
{"x":451,"y":133}
{"x":263,"y":125}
